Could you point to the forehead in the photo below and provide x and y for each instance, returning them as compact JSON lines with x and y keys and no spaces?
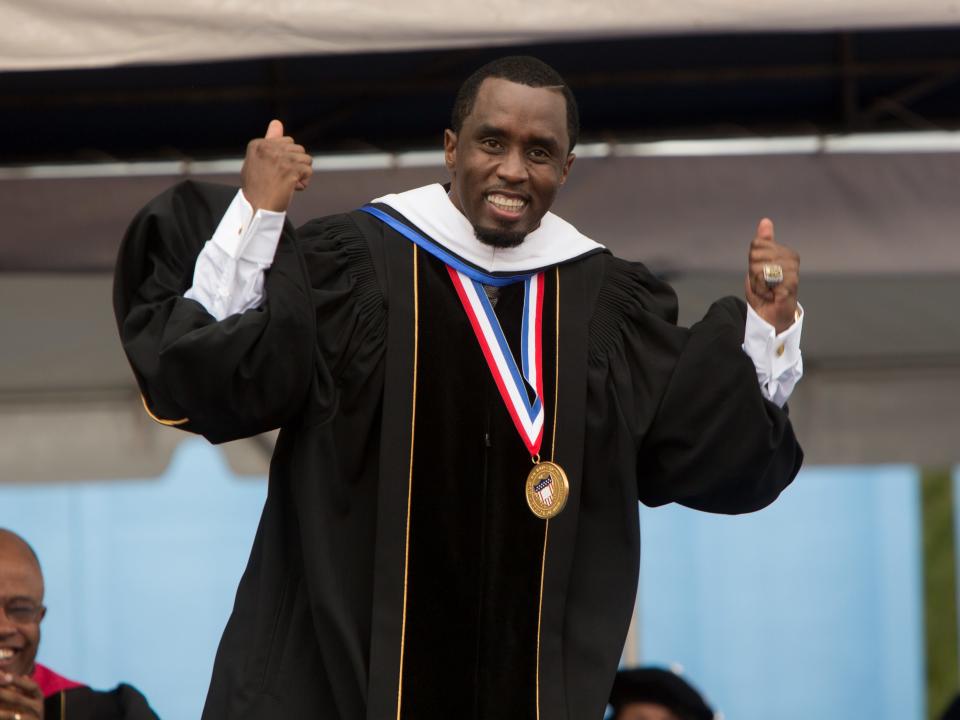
{"x":646,"y":711}
{"x":520,"y":109}
{"x":19,"y":573}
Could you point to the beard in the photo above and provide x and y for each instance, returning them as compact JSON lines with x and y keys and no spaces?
{"x":499,"y":238}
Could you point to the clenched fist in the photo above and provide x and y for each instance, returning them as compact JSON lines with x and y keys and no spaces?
{"x":20,"y":698}
{"x":273,"y":168}
{"x":777,"y":304}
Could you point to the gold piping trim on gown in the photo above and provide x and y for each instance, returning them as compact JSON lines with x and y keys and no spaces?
{"x":553,"y":453}
{"x":413,"y":422}
{"x":168,"y":423}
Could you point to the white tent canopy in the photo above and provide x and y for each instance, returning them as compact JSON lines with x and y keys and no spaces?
{"x":57,"y":34}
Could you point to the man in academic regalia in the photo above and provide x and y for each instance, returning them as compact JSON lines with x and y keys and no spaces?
{"x":29,"y":690}
{"x":472,"y":396}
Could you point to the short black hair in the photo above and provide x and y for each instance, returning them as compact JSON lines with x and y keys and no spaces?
{"x":661,"y":686}
{"x":521,"y":69}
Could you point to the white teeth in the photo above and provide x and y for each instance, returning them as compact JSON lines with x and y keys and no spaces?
{"x":506,"y":203}
{"x":6,"y":653}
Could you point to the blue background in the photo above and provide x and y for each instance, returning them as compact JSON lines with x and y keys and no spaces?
{"x":811,"y":608}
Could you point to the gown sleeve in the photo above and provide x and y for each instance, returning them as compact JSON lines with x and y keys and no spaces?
{"x":702,"y":431}
{"x":257,"y":370}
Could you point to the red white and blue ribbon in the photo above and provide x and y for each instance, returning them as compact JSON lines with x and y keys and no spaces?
{"x":527,"y":414}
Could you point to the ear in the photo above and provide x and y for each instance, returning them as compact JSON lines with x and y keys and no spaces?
{"x":565,"y":170}
{"x":449,"y":149}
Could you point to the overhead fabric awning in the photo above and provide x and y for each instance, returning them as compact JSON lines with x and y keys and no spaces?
{"x":678,"y":206}
{"x":58,"y":34}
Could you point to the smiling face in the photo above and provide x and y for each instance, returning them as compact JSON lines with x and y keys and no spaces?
{"x":509,"y":159}
{"x":21,"y":590}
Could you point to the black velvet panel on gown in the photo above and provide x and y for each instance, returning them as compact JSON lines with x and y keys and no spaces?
{"x":475,"y":548}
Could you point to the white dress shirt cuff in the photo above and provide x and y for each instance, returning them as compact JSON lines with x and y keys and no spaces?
{"x":245,"y":234}
{"x":229,"y":273}
{"x":777,"y":358}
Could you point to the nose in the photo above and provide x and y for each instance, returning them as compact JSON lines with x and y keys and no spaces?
{"x":513,"y":167}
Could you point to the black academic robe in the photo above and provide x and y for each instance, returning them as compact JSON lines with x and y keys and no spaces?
{"x":124,"y":702}
{"x":396,"y":572}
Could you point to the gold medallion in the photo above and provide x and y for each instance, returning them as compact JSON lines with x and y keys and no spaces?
{"x":547,"y":490}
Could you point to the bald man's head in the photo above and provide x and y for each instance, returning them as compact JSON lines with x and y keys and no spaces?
{"x":21,"y":604}
{"x":15,"y":541}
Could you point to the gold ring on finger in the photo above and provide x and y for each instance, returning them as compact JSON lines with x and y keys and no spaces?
{"x":773,"y":274}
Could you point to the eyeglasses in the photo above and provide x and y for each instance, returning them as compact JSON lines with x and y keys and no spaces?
{"x":22,"y":612}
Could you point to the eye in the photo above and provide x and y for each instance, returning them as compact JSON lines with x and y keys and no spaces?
{"x":539,"y":155}
{"x":22,"y":612}
{"x":490,"y":144}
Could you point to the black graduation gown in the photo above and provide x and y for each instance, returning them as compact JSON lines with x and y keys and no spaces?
{"x":124,"y":702}
{"x":396,"y":572}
